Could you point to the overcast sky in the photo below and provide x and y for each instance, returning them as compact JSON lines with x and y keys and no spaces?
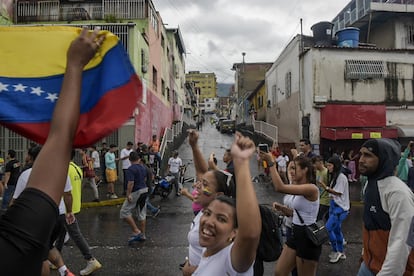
{"x":216,"y":32}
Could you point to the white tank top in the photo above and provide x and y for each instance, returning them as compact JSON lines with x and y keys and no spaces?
{"x":308,"y":210}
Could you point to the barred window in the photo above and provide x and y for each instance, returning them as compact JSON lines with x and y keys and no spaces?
{"x":365,"y":69}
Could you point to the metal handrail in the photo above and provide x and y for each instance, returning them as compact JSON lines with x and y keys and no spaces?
{"x":265,"y":129}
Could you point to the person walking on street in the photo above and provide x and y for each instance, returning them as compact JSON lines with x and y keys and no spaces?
{"x":388,"y":211}
{"x":321,"y":179}
{"x":137,"y":192}
{"x":305,"y":147}
{"x":71,"y":223}
{"x":338,"y":190}
{"x":124,"y":157}
{"x":154,"y":147}
{"x":110,"y":171}
{"x":174,"y":166}
{"x":96,"y":165}
{"x":11,"y":175}
{"x":298,"y":251}
{"x":403,"y":167}
{"x":89,"y":173}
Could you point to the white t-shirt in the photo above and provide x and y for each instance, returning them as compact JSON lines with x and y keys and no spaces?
{"x":175,"y":164}
{"x":219,"y":264}
{"x":342,"y":186}
{"x":282,"y":161}
{"x":195,"y":250}
{"x":288,"y":202}
{"x":22,"y":183}
{"x":125,"y":162}
{"x":96,"y":160}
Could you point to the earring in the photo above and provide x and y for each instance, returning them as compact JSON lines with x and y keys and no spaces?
{"x":230,"y":239}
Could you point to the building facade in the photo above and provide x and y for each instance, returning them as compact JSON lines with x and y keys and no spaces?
{"x":340,"y":96}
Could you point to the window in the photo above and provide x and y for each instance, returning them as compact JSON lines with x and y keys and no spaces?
{"x":288,"y":84}
{"x":154,"y":77}
{"x":274,"y":94}
{"x":409,"y":30}
{"x":365,"y":69}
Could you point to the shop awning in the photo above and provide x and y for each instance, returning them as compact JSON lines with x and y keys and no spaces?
{"x":405,"y":131}
{"x":357,"y":133}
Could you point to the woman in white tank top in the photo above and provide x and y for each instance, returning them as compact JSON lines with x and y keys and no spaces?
{"x":299,"y":251}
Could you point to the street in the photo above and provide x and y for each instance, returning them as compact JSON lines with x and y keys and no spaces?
{"x":166,"y":244}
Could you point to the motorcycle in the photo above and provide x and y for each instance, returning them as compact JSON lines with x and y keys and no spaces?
{"x":163,"y":186}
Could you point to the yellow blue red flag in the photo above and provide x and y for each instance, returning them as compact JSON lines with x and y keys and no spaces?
{"x":32,"y":64}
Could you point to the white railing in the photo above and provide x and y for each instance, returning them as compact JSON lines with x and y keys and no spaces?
{"x":265,"y":129}
{"x":110,"y":10}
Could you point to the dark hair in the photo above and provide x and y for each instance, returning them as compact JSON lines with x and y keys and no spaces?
{"x":134,"y":156}
{"x":337,"y":166}
{"x":72,"y":154}
{"x":305,"y":162}
{"x":112,"y":146}
{"x":232,"y":202}
{"x":12,"y":153}
{"x":317,"y":158}
{"x":33,"y":152}
{"x":130,"y":143}
{"x":305,"y":140}
{"x":222,"y":179}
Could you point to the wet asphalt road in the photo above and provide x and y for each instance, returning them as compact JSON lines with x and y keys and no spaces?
{"x":166,"y":244}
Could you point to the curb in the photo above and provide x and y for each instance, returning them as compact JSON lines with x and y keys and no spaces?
{"x":111,"y":202}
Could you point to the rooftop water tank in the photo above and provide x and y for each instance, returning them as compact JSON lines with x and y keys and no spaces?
{"x":348,"y":37}
{"x":322,"y":33}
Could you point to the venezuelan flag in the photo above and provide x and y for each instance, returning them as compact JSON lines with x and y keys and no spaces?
{"x":32,"y":64}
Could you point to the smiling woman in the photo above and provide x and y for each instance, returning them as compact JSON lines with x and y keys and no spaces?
{"x":228,"y":232}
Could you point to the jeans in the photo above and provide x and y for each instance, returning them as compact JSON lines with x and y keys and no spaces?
{"x":77,"y":237}
{"x":7,"y":196}
{"x":364,"y":271}
{"x":334,"y":226}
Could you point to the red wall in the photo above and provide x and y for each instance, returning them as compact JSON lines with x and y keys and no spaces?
{"x":353,"y":116}
{"x":153,"y":118}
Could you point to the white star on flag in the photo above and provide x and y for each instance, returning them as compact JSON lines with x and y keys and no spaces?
{"x":52,"y":97}
{"x":3,"y":87}
{"x":37,"y":90}
{"x":19,"y":87}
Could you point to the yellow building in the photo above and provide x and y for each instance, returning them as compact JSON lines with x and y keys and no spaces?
{"x":205,"y":82}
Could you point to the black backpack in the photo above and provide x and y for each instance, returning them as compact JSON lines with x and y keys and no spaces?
{"x":270,"y":245}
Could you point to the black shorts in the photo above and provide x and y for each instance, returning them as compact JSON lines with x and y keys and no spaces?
{"x":25,"y":231}
{"x":305,"y":249}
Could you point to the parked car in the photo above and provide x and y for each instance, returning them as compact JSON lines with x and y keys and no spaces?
{"x":227,"y":126}
{"x":219,"y":121}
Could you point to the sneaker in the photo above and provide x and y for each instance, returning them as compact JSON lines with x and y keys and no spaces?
{"x":336,"y":257}
{"x":344,"y":242}
{"x":96,"y":200}
{"x":68,"y":273}
{"x":156,"y":213}
{"x":178,"y":194}
{"x":332,"y":254}
{"x":113,"y":196}
{"x":139,"y":237}
{"x":91,"y":266}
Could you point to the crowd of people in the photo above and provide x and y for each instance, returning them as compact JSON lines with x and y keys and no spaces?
{"x":225,"y":232}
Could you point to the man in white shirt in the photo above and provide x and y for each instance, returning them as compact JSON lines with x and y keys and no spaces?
{"x":124,"y":157}
{"x":174,"y":165}
{"x":96,"y":164}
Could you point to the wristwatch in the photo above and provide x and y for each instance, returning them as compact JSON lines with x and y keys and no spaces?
{"x":270,"y":164}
